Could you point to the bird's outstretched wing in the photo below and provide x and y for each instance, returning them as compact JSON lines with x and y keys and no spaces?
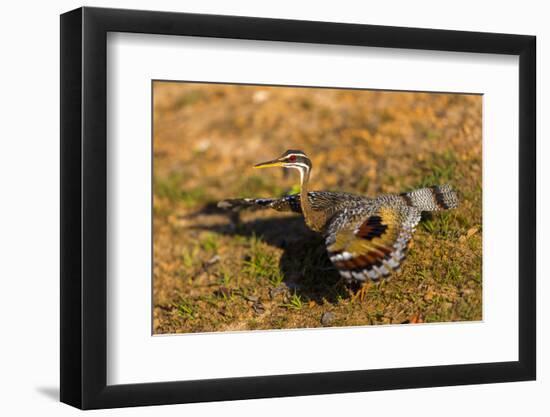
{"x":288,"y":203}
{"x":320,"y":200}
{"x":369,"y":244}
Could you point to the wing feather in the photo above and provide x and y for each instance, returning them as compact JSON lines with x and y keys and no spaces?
{"x":373,"y":244}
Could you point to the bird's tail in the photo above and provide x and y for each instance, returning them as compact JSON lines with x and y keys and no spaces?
{"x":439,"y":197}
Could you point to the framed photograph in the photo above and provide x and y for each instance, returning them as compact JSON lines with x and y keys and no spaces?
{"x":257,"y":208}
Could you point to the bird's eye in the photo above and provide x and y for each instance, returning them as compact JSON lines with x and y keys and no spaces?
{"x":292,"y":158}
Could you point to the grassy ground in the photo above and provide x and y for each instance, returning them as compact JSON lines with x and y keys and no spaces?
{"x":267,"y":270}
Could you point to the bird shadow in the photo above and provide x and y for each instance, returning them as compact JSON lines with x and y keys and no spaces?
{"x":304,"y":263}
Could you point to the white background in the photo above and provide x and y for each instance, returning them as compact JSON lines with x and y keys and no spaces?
{"x":133,"y":60}
{"x":29,"y":237}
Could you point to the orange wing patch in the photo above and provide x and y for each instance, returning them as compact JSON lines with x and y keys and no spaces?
{"x":372,"y":228}
{"x":374,"y":246}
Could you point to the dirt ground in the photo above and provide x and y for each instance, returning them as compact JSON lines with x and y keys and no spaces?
{"x":266,"y":270}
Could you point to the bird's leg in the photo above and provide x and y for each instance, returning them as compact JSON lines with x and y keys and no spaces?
{"x":362,"y":292}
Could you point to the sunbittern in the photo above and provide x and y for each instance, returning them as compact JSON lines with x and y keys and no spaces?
{"x":366,"y":238}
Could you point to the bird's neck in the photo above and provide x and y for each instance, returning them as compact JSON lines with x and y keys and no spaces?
{"x":314,"y":219}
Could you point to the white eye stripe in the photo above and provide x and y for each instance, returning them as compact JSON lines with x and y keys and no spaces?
{"x":300,"y":165}
{"x":295,"y":154}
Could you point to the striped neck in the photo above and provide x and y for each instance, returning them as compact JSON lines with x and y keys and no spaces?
{"x":314,"y":219}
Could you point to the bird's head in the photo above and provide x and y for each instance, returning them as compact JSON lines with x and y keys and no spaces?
{"x":290,"y":159}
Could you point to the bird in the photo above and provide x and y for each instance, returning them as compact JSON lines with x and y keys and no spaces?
{"x":366,"y":238}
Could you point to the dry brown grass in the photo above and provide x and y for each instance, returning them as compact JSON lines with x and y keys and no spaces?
{"x":269,"y":271}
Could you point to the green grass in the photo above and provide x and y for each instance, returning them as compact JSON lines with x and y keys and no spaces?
{"x":441,"y":169}
{"x":294,"y":190}
{"x":295,"y":302}
{"x":262,"y":264}
{"x":442,"y":224}
{"x":210,"y":242}
{"x":259,"y":185}
{"x":454,"y":273}
{"x":186,"y":310}
{"x":226,"y":277}
{"x":189,"y":256}
{"x":172,"y":188}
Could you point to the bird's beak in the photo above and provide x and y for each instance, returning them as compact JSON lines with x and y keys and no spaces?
{"x":268,"y":164}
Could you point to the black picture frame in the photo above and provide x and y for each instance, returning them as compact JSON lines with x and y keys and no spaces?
{"x":84,"y":207}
